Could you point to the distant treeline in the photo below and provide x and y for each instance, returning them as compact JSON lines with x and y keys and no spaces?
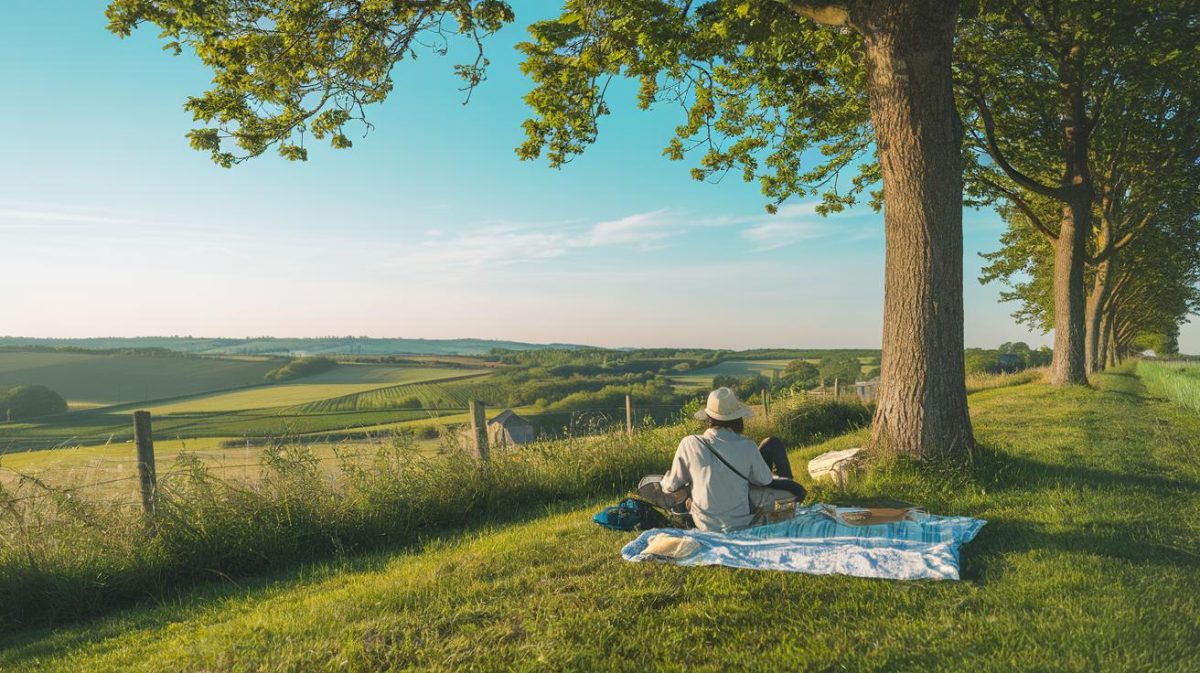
{"x":1009,"y":357}
{"x":803,"y":353}
{"x":300,"y":367}
{"x":594,"y":378}
{"x":23,"y":402}
{"x":266,"y":345}
{"x":151,"y":352}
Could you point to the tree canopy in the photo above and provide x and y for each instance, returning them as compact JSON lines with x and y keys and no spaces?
{"x":788,"y":93}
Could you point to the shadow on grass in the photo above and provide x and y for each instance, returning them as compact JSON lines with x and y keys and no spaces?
{"x":999,"y":471}
{"x":1109,"y":540}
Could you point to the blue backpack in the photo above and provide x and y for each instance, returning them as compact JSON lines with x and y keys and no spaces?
{"x":631,"y":514}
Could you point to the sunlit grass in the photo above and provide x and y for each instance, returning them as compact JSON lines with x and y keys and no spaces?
{"x":1175,"y":381}
{"x":1089,"y":562}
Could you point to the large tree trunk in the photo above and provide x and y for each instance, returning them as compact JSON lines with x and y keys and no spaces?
{"x":922,"y":402}
{"x":1069,"y":362}
{"x":1069,"y":365}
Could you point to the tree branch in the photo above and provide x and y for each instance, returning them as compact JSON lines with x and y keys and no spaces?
{"x":1024,"y":207}
{"x":989,"y":129}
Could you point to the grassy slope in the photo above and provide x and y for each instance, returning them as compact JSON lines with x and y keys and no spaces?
{"x":1089,"y":562}
{"x":110,"y":379}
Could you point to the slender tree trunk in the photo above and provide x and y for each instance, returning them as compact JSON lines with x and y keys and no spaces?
{"x":1096,"y":302}
{"x":1109,"y":353}
{"x":922,"y":403}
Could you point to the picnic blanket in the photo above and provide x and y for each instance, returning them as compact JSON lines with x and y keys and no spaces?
{"x":923,"y":547}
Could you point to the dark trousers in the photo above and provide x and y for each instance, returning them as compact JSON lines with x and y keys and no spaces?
{"x":774,"y":454}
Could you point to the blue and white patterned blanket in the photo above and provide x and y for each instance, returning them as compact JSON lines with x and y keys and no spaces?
{"x":812,"y":542}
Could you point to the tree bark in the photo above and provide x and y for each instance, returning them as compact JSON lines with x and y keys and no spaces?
{"x":1110,"y":345}
{"x":1096,"y":303}
{"x":922,"y":402}
{"x":1069,"y":363}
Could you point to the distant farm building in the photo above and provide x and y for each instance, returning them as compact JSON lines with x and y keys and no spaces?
{"x":509,"y":429}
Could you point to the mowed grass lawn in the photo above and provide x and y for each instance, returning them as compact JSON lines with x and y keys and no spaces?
{"x":1090,"y":562}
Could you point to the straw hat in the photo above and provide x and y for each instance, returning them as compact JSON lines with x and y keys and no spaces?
{"x":723,"y":405}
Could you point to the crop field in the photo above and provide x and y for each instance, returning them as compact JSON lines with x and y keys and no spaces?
{"x":116,"y":379}
{"x":448,"y":394}
{"x":342,"y":381}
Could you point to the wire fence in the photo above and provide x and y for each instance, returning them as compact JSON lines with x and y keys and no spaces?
{"x":36,"y":463}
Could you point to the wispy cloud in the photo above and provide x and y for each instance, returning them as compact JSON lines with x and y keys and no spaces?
{"x":506,"y":243}
{"x":792,"y":224}
{"x":641,"y":229}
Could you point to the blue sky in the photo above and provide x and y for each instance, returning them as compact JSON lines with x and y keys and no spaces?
{"x":429,"y":227}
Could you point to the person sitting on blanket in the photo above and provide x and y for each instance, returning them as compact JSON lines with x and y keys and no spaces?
{"x":723,"y":473}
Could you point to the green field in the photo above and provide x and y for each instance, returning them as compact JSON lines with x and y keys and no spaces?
{"x":702,"y":378}
{"x":338,"y":400}
{"x":117,"y":379}
{"x":342,"y":381}
{"x":445,"y":394}
{"x":1088,"y":563}
{"x":742,"y":369}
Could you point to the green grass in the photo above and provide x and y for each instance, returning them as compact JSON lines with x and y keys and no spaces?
{"x":1090,"y":562}
{"x":341,"y":381}
{"x":114,"y":379}
{"x":444,"y":394}
{"x":1175,"y":381}
{"x":742,"y":369}
{"x":307,"y":406}
{"x":739,"y":368}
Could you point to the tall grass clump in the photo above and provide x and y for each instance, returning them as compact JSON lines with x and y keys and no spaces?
{"x":814,"y":419}
{"x":1178,"y":382}
{"x":987,"y":381}
{"x":63,"y":558}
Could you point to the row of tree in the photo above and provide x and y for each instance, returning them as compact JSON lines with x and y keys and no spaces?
{"x":1073,"y":110}
{"x":1083,"y":126}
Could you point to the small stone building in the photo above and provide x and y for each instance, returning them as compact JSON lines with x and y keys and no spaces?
{"x":509,"y":429}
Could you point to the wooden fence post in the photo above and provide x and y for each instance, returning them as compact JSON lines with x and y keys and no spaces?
{"x":143,"y":438}
{"x":479,"y":435}
{"x":628,"y":416}
{"x":836,"y":389}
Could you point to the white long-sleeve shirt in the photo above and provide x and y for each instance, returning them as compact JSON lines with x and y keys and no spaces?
{"x":720,"y":498}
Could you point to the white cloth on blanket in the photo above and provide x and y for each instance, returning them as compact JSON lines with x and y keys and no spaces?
{"x":815,"y":544}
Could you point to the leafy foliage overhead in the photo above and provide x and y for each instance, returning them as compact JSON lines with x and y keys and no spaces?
{"x":756,"y":84}
{"x":284,"y":70}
